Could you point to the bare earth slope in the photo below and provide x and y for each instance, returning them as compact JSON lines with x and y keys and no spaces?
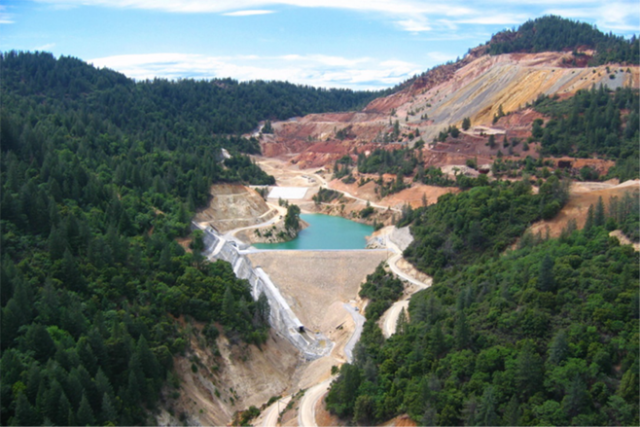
{"x":476,"y":87}
{"x":582,"y":196}
{"x":234,"y":206}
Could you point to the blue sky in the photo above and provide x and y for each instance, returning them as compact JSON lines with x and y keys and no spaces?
{"x":358,"y":44}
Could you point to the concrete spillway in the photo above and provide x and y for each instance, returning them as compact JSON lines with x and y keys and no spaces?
{"x":282,"y":319}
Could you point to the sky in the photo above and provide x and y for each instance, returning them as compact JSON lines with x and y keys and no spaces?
{"x":356,"y":44}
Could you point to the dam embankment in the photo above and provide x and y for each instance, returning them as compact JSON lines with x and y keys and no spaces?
{"x":283,"y":320}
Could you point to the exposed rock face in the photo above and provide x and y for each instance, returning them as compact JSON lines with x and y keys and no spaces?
{"x":475,"y":87}
{"x":229,"y":377}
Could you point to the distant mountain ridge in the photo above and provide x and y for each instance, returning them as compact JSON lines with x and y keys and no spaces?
{"x":222,"y":106}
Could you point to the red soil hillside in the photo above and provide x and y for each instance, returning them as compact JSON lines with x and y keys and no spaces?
{"x":475,"y":87}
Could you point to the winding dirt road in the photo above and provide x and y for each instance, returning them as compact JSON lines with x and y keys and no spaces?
{"x":307,"y":411}
{"x":390,"y":317}
{"x":272,"y":412}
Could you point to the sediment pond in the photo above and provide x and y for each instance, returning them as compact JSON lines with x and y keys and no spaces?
{"x":325,"y":232}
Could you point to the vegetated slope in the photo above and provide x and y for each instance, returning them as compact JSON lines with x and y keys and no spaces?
{"x":167,"y":108}
{"x":479,"y":223}
{"x":621,"y":206}
{"x":547,"y":334}
{"x":553,"y":33}
{"x":92,"y":277}
{"x":593,"y":122}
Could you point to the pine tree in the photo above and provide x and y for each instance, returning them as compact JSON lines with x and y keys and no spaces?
{"x":262,"y":309}
{"x":133,"y":388}
{"x":63,"y":410}
{"x":57,"y":243}
{"x":576,"y":398}
{"x":26,"y":414}
{"x":6,"y":287}
{"x":148,"y":360}
{"x":401,"y":325}
{"x":462,"y":331}
{"x":12,"y":320}
{"x":487,"y":411}
{"x":559,"y":348}
{"x":85,"y":413}
{"x":546,"y":281}
{"x":512,"y":412}
{"x":39,"y":341}
{"x":529,"y":371}
{"x":635,"y":306}
{"x":590,"y":222}
{"x":70,"y":274}
{"x":629,"y":387}
{"x":108,"y":412}
{"x":103,"y":385}
{"x":598,"y":216}
{"x":228,"y":306}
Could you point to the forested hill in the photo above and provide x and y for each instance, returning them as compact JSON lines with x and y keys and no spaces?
{"x":553,"y":33}
{"x":100,"y":175}
{"x":220,"y":106}
{"x":543,"y":335}
{"x":596,"y":121}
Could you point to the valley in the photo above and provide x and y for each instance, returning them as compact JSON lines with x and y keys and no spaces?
{"x":319,"y":287}
{"x":497,"y":283}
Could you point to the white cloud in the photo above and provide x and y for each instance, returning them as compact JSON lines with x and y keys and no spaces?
{"x":440,"y":57}
{"x":45,"y":47}
{"x":409,"y":15}
{"x":249,"y":13}
{"x":415,"y":16}
{"x":5,"y":18}
{"x":313,"y":70}
{"x":618,"y":16}
{"x":414,"y":25}
{"x":496,"y":19}
{"x":219,"y":6}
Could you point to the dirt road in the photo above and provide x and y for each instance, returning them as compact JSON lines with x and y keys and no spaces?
{"x":309,"y":401}
{"x":389,"y":319}
{"x":307,"y":412}
{"x":359,"y":321}
{"x":271,"y":413}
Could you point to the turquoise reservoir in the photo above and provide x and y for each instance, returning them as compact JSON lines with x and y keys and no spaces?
{"x":325,"y":232}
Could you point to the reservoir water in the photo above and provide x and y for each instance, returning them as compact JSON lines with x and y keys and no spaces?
{"x":325,"y":232}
